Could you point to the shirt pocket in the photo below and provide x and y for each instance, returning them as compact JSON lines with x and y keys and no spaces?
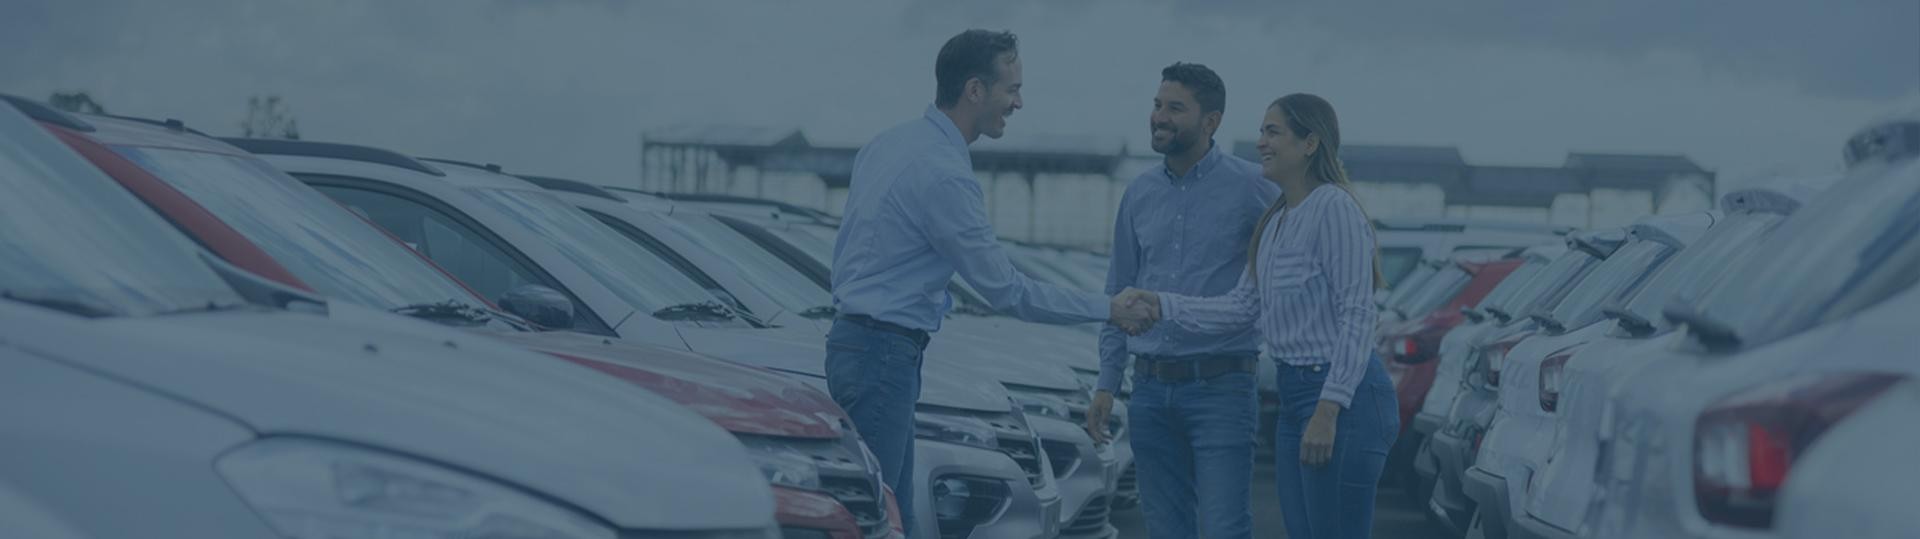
{"x":1286,"y":273}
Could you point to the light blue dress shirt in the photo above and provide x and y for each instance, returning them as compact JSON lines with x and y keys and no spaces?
{"x":914,"y":217}
{"x":1184,"y":235}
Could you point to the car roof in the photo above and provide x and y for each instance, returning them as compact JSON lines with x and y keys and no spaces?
{"x":1677,"y":230}
{"x":120,"y":131}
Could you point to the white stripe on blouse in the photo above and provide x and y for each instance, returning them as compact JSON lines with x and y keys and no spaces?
{"x":1314,"y":298}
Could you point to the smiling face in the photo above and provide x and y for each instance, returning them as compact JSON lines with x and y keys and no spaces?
{"x":1177,"y":122}
{"x":999,"y":100}
{"x":1283,"y":152}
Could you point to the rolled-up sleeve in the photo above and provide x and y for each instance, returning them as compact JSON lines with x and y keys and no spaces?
{"x":1343,"y":247}
{"x":1236,"y":310}
{"x":953,"y":216}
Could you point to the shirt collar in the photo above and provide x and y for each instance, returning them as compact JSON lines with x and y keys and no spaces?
{"x":1200,"y":169}
{"x":945,"y":124}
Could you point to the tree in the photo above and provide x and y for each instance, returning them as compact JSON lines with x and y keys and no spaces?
{"x":76,"y":101}
{"x":269,"y":117}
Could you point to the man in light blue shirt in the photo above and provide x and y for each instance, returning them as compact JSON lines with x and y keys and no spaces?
{"x":914,"y":217}
{"x":1186,"y":226}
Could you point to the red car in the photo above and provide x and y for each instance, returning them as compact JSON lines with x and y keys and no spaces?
{"x":826,"y":484}
{"x":1411,"y":346}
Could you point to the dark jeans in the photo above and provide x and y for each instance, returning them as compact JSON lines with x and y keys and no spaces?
{"x":1334,"y":501}
{"x":1193,"y":450}
{"x":875,"y":376}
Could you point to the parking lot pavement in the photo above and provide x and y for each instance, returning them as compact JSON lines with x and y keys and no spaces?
{"x":1393,"y":516}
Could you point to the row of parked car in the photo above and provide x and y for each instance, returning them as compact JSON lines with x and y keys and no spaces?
{"x":1748,"y":371}
{"x":275,"y":338}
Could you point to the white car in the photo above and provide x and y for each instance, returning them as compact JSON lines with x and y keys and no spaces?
{"x":1686,"y":455}
{"x":1850,"y":482}
{"x":1562,"y":492}
{"x":151,"y":389}
{"x":1516,"y":443}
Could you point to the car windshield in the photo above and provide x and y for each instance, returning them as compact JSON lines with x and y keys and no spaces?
{"x":1623,"y":272}
{"x":1442,"y":287}
{"x":1414,"y":281}
{"x":1398,"y":262}
{"x":72,"y":239}
{"x":769,"y":274}
{"x":1697,"y":266}
{"x":321,"y":242}
{"x":1858,"y":239}
{"x":1513,"y":283}
{"x":1545,"y":291}
{"x":641,"y":279}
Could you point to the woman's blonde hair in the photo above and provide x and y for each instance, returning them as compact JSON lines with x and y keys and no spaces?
{"x":1308,"y":114}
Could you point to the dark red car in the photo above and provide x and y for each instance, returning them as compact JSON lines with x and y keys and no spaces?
{"x":1411,"y":346}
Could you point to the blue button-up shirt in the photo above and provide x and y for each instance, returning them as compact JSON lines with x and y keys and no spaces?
{"x":1184,"y":235}
{"x":914,"y":217}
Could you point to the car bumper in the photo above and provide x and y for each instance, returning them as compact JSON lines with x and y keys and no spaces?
{"x":1028,"y":513}
{"x":1451,"y":456}
{"x":1528,"y":526}
{"x":1490,"y":493}
{"x":1426,"y":424}
{"x":803,"y":513}
{"x":1086,"y":490}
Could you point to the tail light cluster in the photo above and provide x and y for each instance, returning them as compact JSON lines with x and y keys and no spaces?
{"x":1745,"y":444}
{"x":1493,"y":355}
{"x":1553,"y":378}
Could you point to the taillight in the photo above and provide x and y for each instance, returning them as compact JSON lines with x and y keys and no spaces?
{"x":1409,"y":348}
{"x":1491,"y":356}
{"x":1553,"y":375}
{"x":1744,"y":446}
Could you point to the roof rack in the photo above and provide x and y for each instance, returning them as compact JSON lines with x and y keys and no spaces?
{"x":572,"y":186}
{"x":331,"y":150}
{"x":489,"y":167}
{"x":41,"y":112}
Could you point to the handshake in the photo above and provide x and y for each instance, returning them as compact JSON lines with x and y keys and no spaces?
{"x":1135,"y":310}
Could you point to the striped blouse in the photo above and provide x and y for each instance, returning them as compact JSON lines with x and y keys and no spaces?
{"x":1314,"y":297}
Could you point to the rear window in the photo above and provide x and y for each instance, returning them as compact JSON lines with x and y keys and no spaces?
{"x":1397,"y":262}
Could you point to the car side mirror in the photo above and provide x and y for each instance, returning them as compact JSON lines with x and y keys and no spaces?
{"x":540,"y":305}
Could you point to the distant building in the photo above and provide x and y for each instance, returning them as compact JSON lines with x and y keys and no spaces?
{"x":1065,"y":189}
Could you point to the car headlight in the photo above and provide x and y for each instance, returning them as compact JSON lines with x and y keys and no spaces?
{"x":312,"y":489}
{"x":782,"y":464}
{"x":955,"y":429}
{"x":1044,"y":406}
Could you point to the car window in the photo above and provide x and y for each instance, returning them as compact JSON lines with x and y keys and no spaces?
{"x":1697,"y":266}
{"x":1623,"y":272}
{"x":1444,"y":284}
{"x":766,"y":271}
{"x":479,"y":263}
{"x":1397,"y":262}
{"x":74,"y":240}
{"x":643,"y":280}
{"x":1411,"y":284}
{"x":324,"y":245}
{"x":1512,"y":283}
{"x":1846,"y":248}
{"x":1545,"y":291}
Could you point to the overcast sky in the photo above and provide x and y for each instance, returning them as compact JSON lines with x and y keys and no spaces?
{"x":565,"y":87}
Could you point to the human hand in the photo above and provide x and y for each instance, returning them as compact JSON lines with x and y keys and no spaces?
{"x":1097,"y":414}
{"x":1316,"y":444}
{"x":1135,"y":310}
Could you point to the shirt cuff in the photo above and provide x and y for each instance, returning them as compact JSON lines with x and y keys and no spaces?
{"x":1169,"y":307}
{"x":1342,"y":396}
{"x":1110,"y":380}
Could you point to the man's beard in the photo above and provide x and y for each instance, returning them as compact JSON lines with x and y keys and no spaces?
{"x":1178,"y":143}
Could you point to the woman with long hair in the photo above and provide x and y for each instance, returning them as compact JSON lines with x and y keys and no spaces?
{"x":1312,"y":270}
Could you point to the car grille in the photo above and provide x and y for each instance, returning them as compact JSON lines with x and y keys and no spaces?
{"x":1129,"y":481}
{"x":844,"y":476}
{"x":1026,"y":455}
{"x":1063,"y":455}
{"x":861,"y":499}
{"x":1091,"y":520}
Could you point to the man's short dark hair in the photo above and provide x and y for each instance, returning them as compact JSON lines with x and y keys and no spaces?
{"x":1204,"y":83}
{"x":972,"y":54}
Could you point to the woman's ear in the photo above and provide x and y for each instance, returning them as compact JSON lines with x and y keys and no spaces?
{"x":1313,"y":143}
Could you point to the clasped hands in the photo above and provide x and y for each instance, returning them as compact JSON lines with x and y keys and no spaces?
{"x":1135,"y":310}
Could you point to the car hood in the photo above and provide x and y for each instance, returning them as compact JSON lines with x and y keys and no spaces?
{"x":737,"y":397}
{"x":1010,"y":364}
{"x":413,"y":387}
{"x":1061,"y":345}
{"x":803,"y":352}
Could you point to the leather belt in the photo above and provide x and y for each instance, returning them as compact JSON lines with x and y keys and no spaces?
{"x":1189,"y":368}
{"x":869,"y":322}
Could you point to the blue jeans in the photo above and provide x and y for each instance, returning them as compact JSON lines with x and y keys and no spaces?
{"x":875,"y":376}
{"x":1193,"y":451}
{"x":1334,"y":501}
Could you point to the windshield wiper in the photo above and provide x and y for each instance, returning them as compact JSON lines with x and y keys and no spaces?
{"x":445,"y":311}
{"x":1715,"y":335}
{"x":67,"y":305}
{"x":208,"y":307}
{"x":706,"y":310}
{"x":817,"y":313}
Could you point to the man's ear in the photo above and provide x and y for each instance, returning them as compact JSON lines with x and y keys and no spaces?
{"x":1210,"y":122}
{"x":976,"y":90}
